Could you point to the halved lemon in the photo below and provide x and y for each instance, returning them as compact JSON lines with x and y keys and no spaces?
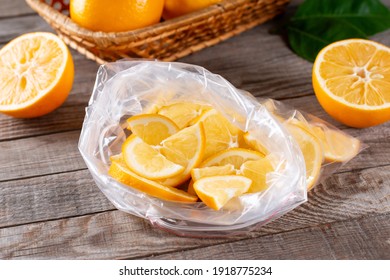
{"x":152,"y":128}
{"x":311,"y":150}
{"x":183,"y":113}
{"x":216,"y":191}
{"x":119,"y":171}
{"x":36,"y":75}
{"x":146,"y":161}
{"x":233,"y":156}
{"x":351,"y":79}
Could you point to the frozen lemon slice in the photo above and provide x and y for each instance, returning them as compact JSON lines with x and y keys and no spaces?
{"x":183,"y":113}
{"x":144,"y":160}
{"x":152,"y":128}
{"x":220,"y":133}
{"x":216,"y":191}
{"x":185,"y":148}
{"x":257,"y":171}
{"x":311,"y":150}
{"x":233,"y":156}
{"x":254,"y":144}
{"x":338,"y":147}
{"x":119,"y":171}
{"x":198,"y":173}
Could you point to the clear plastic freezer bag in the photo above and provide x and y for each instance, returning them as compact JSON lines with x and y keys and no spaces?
{"x":127,"y":88}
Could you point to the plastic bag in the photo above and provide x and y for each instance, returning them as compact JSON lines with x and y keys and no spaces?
{"x":127,"y":88}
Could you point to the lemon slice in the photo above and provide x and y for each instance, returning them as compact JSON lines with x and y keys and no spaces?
{"x":351,"y":79}
{"x":257,"y":171}
{"x":198,"y":173}
{"x":119,"y":171}
{"x":190,"y":188}
{"x":254,"y":144}
{"x":183,"y":113}
{"x":185,"y":148}
{"x":216,"y":191}
{"x":146,"y":161}
{"x":233,"y":156}
{"x":152,"y":128}
{"x":311,"y":150}
{"x":220,"y":133}
{"x":338,"y":147}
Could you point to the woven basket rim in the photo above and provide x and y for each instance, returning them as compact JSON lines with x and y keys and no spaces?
{"x":46,"y":10}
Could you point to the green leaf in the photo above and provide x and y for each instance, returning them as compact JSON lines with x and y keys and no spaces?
{"x":318,"y":23}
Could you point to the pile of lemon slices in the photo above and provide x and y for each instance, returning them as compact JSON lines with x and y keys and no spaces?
{"x":184,"y":152}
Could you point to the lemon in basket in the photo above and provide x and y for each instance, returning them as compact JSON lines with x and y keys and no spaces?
{"x":175,"y":8}
{"x":115,"y":16}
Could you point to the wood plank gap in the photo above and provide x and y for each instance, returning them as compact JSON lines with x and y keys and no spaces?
{"x":43,"y":175}
{"x":230,"y":241}
{"x":38,"y":135}
{"x":284,"y":98}
{"x":68,"y":217}
{"x":17,"y":16}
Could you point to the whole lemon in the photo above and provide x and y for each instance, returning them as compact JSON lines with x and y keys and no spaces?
{"x":115,"y":16}
{"x":175,"y":8}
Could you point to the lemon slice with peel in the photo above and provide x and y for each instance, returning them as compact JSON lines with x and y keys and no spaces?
{"x":254,"y":144}
{"x":233,"y":156}
{"x":216,"y":191}
{"x":198,"y":173}
{"x":152,"y":128}
{"x":119,"y":171}
{"x":338,"y":147}
{"x":220,"y":133}
{"x":257,"y":171}
{"x":185,"y":148}
{"x":311,"y":150}
{"x":146,"y":161}
{"x":183,"y":113}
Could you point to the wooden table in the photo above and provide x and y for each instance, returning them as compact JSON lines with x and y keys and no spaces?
{"x":50,"y":208}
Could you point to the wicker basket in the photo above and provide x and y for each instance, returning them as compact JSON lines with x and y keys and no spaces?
{"x":168,"y":40}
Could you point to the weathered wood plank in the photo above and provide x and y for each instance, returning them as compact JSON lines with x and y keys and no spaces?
{"x":52,"y":197}
{"x":13,"y":8}
{"x":15,"y":26}
{"x":40,"y":155}
{"x":113,"y":234}
{"x":365,"y":238}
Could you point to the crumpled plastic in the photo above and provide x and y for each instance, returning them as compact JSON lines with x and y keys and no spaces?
{"x":126,"y":88}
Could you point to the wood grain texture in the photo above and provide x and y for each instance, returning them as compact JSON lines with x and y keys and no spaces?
{"x":50,"y":197}
{"x":16,"y":26}
{"x":365,"y":238}
{"x":14,"y":8}
{"x":113,"y":234}
{"x":39,"y":156}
